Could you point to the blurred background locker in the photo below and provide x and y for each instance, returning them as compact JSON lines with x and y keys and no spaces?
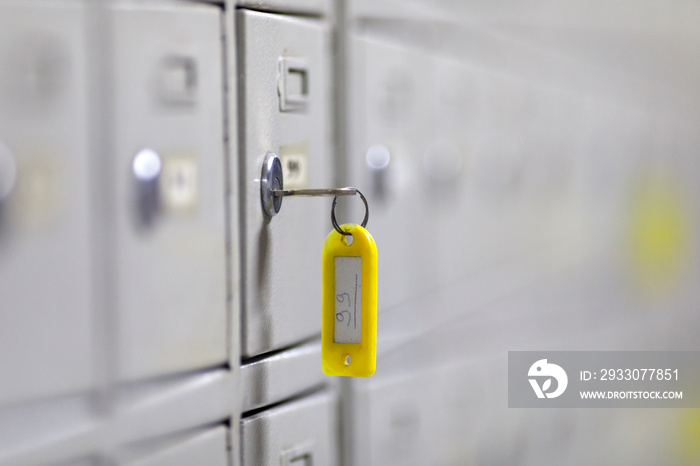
{"x":532,"y":175}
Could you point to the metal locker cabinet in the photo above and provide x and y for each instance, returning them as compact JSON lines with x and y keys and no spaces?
{"x":45,"y":335}
{"x":169,"y":169}
{"x":204,"y":447}
{"x":298,"y":433}
{"x":285,"y":109}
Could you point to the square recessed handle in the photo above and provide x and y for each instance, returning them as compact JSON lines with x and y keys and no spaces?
{"x":301,"y":455}
{"x":293,"y":84}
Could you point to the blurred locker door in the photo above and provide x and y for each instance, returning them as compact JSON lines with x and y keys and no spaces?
{"x":169,"y":170}
{"x":45,"y":299}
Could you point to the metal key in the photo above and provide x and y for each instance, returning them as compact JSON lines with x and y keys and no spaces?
{"x":314,"y":192}
{"x":272,"y":187}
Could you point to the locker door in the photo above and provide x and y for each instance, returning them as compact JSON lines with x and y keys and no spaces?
{"x":285,"y":109}
{"x":45,"y":341}
{"x":169,"y":166}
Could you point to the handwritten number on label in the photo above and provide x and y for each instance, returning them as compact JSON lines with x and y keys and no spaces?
{"x":340,"y":318}
{"x":345,"y":298}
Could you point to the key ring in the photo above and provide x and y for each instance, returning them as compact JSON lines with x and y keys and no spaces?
{"x":335,"y":222}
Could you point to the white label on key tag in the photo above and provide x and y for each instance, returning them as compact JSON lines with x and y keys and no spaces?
{"x":348,"y":299}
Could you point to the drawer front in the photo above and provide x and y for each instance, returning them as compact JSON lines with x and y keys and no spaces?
{"x":298,"y":433}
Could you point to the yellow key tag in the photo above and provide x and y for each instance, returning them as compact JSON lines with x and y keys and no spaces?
{"x":349,"y":328}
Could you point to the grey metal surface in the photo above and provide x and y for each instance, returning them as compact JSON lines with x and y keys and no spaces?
{"x":281,"y":274}
{"x":203,"y":447}
{"x":170,"y":272}
{"x":138,"y":412}
{"x":303,"y":431}
{"x":145,"y":410}
{"x":281,"y":375}
{"x":517,"y":161}
{"x":45,"y":296}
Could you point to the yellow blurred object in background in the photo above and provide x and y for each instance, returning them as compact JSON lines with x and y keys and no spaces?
{"x":659,"y":232}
